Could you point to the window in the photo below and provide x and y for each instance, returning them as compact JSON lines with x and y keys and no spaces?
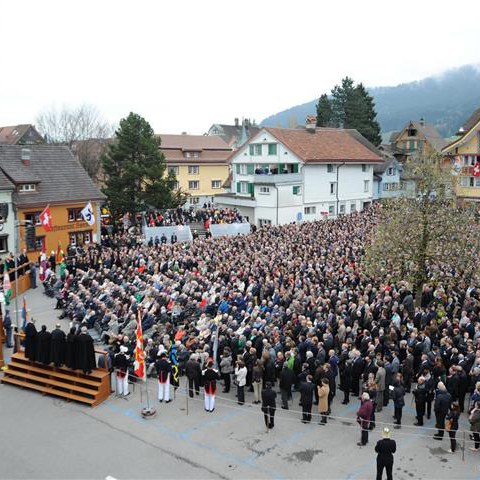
{"x":272,"y":148}
{"x":264,"y":221}
{"x":366,"y":186}
{"x":364,"y":167}
{"x":390,"y":186}
{"x":243,"y":187}
{"x":297,"y":190}
{"x":173,"y":170}
{"x":216,"y":183}
{"x":80,"y":238}
{"x":331,"y":210}
{"x":333,"y":188}
{"x":193,"y":169}
{"x":353,"y":207}
{"x":330,"y":168}
{"x":241,"y":168}
{"x":255,"y":149}
{"x":39,"y":244}
{"x":75,"y":215}
{"x":4,"y":244}
{"x":310,"y":210}
{"x":26,"y":187}
{"x":412,"y":132}
{"x":265,"y":190}
{"x":33,"y":218}
{"x":191,"y":154}
{"x":193,"y":200}
{"x":193,"y":185}
{"x":342,"y":209}
{"x":176,"y":185}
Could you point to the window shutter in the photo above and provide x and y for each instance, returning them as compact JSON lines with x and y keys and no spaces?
{"x":250,"y":169}
{"x":238,"y":187}
{"x":281,"y":167}
{"x":250,"y":188}
{"x":295,"y":168}
{"x":237,"y":166}
{"x":251,"y":149}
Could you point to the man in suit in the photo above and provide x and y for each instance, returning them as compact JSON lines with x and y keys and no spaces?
{"x":306,"y":398}
{"x":268,"y":405}
{"x":385,"y":449}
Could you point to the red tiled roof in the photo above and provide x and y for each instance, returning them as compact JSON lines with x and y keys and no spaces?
{"x":325,"y":145}
{"x":206,"y":156}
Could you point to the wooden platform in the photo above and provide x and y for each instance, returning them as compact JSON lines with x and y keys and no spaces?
{"x":91,"y":389}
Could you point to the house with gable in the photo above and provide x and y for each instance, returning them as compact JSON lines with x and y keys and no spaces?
{"x":25,"y":134}
{"x":286,"y":175}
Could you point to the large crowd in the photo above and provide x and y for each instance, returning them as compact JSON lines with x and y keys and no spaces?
{"x":287,"y":307}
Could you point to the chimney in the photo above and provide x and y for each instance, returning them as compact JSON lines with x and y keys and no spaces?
{"x":236,"y":122}
{"x":311,"y":123}
{"x":25,"y":156}
{"x":184,"y":133}
{"x":246,"y":122}
{"x":422,"y":122}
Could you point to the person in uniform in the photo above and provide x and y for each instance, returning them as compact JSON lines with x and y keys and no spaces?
{"x":58,"y":346}
{"x":70,"y":349}
{"x":44,"y":345}
{"x":85,"y":352}
{"x":385,"y":449}
{"x":269,"y":404}
{"x":163,"y":370}
{"x":31,"y":340}
{"x":210,"y":377}
{"x":120,"y":363}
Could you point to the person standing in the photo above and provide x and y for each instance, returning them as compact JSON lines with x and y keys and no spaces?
{"x":193,"y":372}
{"x":44,"y":345}
{"x":380,"y":383}
{"x":420,"y":395}
{"x":257,"y":377}
{"x":442,"y":404}
{"x":241,"y":379}
{"x":120,"y":364}
{"x":70,"y":349}
{"x":451,"y":425}
{"x":31,"y":340}
{"x":7,"y":325}
{"x":347,"y":381}
{"x":474,"y":419}
{"x":269,"y":405}
{"x":385,"y":449}
{"x":58,"y":346}
{"x":226,"y":368}
{"x":307,"y":389}
{"x":323,"y":393}
{"x":164,"y":369}
{"x":85,"y":351}
{"x":398,"y":397}
{"x":364,"y":415}
{"x":210,"y":377}
{"x":287,"y":378}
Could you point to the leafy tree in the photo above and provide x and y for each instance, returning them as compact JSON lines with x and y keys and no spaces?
{"x":324,"y":112}
{"x":425,"y":239}
{"x":135,"y":171}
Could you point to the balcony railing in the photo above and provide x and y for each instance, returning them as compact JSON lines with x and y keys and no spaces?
{"x":278,"y":178}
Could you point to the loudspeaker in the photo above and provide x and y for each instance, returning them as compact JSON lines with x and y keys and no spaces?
{"x":3,"y":212}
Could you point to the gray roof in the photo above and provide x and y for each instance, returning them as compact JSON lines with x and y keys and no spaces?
{"x":5,"y":183}
{"x":59,"y":176}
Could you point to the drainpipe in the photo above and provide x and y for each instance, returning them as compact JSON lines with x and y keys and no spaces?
{"x":276,"y":188}
{"x":338,"y":168}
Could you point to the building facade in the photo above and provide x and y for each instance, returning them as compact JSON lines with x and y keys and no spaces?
{"x":287,"y":175}
{"x":464,"y":154}
{"x":46,"y":175}
{"x":199,"y":163}
{"x":235,"y":135}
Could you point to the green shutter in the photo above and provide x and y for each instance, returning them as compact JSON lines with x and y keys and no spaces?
{"x":295,"y":168}
{"x":272,"y":148}
{"x":250,"y":169}
{"x":237,"y":166}
{"x":238,"y":187}
{"x":250,"y":188}
{"x":281,"y":166}
{"x":251,"y":149}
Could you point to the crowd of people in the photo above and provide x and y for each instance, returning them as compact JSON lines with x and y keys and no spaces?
{"x":287,"y":307}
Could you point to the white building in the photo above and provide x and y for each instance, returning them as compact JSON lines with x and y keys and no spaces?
{"x":287,"y":175}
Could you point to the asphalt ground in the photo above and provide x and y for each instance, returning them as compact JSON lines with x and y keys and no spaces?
{"x":46,"y":437}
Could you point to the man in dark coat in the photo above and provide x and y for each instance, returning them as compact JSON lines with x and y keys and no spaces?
{"x":442,"y":403}
{"x":44,"y":345}
{"x":306,"y":398}
{"x":385,"y":449}
{"x":420,"y":394}
{"x":269,"y":405}
{"x":58,"y":346}
{"x":85,"y":352}
{"x":70,"y":349}
{"x":287,"y":379}
{"x":31,"y":340}
{"x":193,"y":372}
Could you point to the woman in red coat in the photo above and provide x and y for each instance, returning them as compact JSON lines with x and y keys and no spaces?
{"x":364,"y":415}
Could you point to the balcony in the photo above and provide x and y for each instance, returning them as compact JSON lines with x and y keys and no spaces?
{"x":266,"y":179}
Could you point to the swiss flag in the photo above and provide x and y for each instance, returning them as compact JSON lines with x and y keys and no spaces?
{"x":476,"y":170}
{"x":46,"y":219}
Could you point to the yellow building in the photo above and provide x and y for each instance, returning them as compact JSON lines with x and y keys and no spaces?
{"x":200,"y":164}
{"x":464,"y":153}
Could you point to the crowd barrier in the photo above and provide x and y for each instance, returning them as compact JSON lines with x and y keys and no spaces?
{"x":183,"y":232}
{"x":229,"y":229}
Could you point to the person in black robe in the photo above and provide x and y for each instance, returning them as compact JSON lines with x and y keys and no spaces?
{"x":31,"y":341}
{"x":57,"y":353}
{"x":85,"y":352}
{"x":70,"y":349}
{"x":44,"y":345}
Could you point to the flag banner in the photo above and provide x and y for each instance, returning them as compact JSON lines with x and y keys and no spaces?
{"x":139,"y":364}
{"x":172,"y":354}
{"x":476,"y":170}
{"x":87,"y":214}
{"x":59,"y":255}
{"x":7,"y":288}
{"x":46,"y":219}
{"x":24,"y":314}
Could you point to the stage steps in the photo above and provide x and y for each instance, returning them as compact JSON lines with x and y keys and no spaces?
{"x":91,"y":389}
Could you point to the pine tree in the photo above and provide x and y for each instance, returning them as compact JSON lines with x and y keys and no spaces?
{"x":324,"y":112}
{"x":342,"y":97}
{"x":135,"y":170}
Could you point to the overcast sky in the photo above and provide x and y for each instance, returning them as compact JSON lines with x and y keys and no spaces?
{"x":184,"y":65}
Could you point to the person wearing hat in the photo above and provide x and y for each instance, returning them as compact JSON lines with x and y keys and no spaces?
{"x":164,"y":368}
{"x":120,"y":364}
{"x":385,"y":449}
{"x":269,"y":405}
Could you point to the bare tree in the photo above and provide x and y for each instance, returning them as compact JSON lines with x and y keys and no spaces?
{"x":83,"y":129}
{"x":426,"y":239}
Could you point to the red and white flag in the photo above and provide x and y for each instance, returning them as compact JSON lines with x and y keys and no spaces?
{"x":476,"y":170}
{"x":46,"y":219}
{"x":139,"y":364}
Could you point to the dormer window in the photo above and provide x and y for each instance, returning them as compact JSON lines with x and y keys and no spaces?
{"x":191,"y":154}
{"x":25,"y":154}
{"x":27,"y":187}
{"x":412,"y":132}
